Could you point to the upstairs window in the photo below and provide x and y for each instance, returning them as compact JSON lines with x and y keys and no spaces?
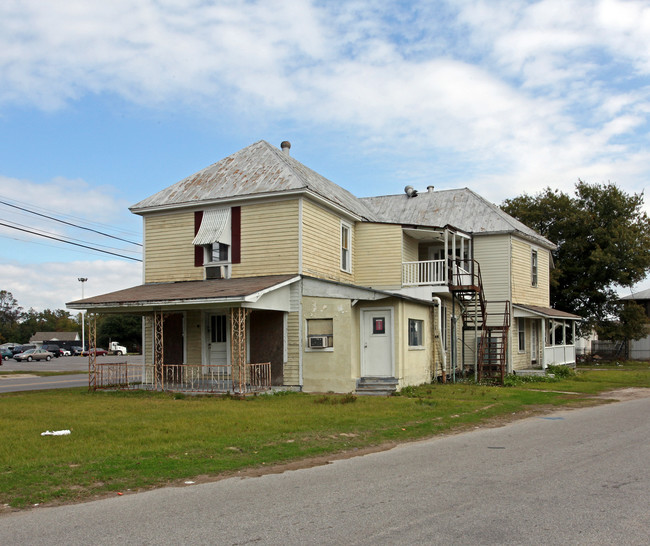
{"x":346,"y":231}
{"x":533,"y":268}
{"x":216,"y":241}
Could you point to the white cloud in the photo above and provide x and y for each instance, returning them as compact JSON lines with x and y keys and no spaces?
{"x":521,"y":92}
{"x":52,"y":285}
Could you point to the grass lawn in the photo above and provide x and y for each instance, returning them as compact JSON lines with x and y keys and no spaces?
{"x":124,"y":441}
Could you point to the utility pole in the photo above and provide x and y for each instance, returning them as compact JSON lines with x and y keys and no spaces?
{"x":82,"y":280}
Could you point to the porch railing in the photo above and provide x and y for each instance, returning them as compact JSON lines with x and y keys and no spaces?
{"x":189,"y":378}
{"x":430,"y":272}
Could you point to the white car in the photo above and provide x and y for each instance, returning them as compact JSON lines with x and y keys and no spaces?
{"x":65,"y":352}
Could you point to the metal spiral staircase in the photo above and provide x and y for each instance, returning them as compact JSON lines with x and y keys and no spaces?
{"x":489,"y":319}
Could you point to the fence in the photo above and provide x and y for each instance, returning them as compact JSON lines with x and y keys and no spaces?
{"x":187,"y":378}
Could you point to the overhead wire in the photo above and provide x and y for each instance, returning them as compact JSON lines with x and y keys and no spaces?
{"x":70,"y":223}
{"x":68,"y":242}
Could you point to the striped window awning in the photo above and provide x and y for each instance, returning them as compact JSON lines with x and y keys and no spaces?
{"x":215,"y":227}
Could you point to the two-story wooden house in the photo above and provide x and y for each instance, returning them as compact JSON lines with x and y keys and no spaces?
{"x":258,"y":269}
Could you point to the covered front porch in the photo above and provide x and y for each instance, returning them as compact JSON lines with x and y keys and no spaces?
{"x":213,"y":336}
{"x":549,"y":333}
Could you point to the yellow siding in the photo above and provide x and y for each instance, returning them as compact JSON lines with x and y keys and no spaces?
{"x":522,"y":289}
{"x":410,"y":249}
{"x":493,"y":255}
{"x":169,"y":253}
{"x":269,"y":239}
{"x":378,"y":255}
{"x":292,"y":366}
{"x":321,"y":240}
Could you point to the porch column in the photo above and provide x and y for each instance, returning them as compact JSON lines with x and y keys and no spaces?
{"x":158,"y":360}
{"x":543,"y":343}
{"x":238,"y":348}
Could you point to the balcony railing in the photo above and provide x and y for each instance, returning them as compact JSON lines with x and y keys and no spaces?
{"x":430,"y":272}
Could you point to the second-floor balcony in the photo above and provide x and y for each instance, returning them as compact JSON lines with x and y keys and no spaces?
{"x":425,"y":273}
{"x":436,"y":273}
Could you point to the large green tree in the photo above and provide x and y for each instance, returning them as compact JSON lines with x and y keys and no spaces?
{"x":603,"y":243}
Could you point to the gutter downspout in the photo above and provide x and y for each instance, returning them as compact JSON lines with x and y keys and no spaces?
{"x":438,"y":304}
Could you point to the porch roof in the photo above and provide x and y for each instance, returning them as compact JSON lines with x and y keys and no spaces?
{"x":546,"y":312}
{"x":213,"y":291}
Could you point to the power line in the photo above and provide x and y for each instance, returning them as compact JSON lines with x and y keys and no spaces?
{"x":70,"y":223}
{"x":43,"y":231}
{"x":69,"y":242}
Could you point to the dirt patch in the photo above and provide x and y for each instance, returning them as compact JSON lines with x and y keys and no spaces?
{"x":16,"y":375}
{"x":622,"y":395}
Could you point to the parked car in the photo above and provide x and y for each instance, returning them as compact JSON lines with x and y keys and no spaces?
{"x":34,"y":354}
{"x":6,"y":354}
{"x":21,"y":349}
{"x":65,"y":352}
{"x":76,"y":350}
{"x":97,"y":352}
{"x":54,"y":349}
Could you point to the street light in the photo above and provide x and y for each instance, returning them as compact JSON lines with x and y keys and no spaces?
{"x":82,"y":280}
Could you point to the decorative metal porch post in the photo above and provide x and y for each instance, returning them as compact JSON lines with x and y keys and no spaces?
{"x":238,"y":348}
{"x":158,"y":359}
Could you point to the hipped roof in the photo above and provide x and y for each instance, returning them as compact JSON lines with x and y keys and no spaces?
{"x":461,"y":208}
{"x":260,"y":170}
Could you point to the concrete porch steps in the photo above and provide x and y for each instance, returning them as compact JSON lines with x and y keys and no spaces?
{"x":376,"y":386}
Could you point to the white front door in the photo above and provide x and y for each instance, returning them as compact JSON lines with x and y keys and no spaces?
{"x":218,"y":339}
{"x":377,"y":343}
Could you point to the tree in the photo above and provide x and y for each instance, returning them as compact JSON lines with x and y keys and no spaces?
{"x":10,"y":313}
{"x":126,"y":329}
{"x":603,"y":241}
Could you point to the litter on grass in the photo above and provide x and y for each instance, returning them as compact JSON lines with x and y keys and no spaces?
{"x":55,"y":433}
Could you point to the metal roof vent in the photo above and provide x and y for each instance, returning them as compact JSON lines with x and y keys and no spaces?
{"x":410,"y":191}
{"x":430,"y":189}
{"x":286,"y":146}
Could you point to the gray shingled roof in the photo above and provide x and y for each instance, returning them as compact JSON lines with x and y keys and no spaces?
{"x":257,"y":170}
{"x":461,"y":208}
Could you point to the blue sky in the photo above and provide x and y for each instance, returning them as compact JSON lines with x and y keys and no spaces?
{"x":105,"y":103}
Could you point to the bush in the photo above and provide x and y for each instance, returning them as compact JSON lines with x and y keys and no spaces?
{"x":561,"y":372}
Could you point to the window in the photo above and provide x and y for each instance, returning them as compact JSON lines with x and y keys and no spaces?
{"x":533,"y":267}
{"x":320,"y":333}
{"x":346,"y":229}
{"x":521,"y":327}
{"x":217,"y":240}
{"x":416,"y":333}
{"x":218,"y":327}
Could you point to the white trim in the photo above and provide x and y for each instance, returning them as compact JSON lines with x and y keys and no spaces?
{"x":300,"y":234}
{"x":348,"y":227}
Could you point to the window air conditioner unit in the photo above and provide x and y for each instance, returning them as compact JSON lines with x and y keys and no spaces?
{"x":214,"y":272}
{"x":318,"y":342}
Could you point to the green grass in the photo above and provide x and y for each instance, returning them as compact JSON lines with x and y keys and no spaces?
{"x":133,"y":440}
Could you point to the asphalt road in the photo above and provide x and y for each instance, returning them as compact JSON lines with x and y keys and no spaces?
{"x":571,"y":477}
{"x":27,"y":382}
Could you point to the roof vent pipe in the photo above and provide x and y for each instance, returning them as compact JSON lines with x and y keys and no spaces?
{"x":410,"y":191}
{"x":430,"y":189}
{"x":286,"y":146}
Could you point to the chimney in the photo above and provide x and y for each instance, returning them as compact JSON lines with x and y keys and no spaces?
{"x":286,"y":146}
{"x":430,"y":189}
